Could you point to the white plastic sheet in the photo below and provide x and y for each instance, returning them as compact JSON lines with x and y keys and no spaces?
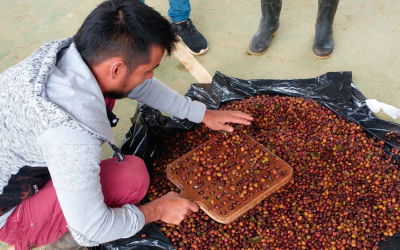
{"x":375,"y":106}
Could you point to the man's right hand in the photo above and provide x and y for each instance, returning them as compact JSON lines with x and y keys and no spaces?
{"x":170,"y":208}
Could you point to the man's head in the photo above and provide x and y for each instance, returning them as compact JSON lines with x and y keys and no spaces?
{"x":122,"y":41}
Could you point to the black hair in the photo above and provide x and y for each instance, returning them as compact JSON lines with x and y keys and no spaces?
{"x":125,"y":28}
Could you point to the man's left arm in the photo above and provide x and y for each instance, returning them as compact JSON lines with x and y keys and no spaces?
{"x":159,"y":96}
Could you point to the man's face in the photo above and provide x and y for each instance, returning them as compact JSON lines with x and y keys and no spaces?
{"x":139,"y":75}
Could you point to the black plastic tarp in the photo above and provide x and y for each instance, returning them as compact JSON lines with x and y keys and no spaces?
{"x":153,"y":240}
{"x":334,"y":90}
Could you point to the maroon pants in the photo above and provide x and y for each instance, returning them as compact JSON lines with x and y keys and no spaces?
{"x":39,"y":221}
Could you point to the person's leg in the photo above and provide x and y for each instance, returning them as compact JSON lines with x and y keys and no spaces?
{"x":39,"y":220}
{"x":323,"y":41}
{"x":179,"y":12}
{"x":124,"y":182}
{"x":269,"y":25}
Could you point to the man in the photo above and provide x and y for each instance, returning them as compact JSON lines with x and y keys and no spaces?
{"x":269,"y":24}
{"x":179,"y":13}
{"x":54,"y":121}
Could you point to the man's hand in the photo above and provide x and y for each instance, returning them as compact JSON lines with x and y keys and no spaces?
{"x":217,"y":119}
{"x":170,"y":208}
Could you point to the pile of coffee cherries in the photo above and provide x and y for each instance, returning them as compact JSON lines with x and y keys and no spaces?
{"x":393,"y":136}
{"x":344,"y":194}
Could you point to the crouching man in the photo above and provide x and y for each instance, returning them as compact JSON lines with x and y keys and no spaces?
{"x":54,"y":121}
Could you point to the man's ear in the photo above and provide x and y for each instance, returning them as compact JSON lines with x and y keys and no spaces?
{"x":118,"y":69}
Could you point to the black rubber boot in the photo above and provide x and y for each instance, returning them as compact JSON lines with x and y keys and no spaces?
{"x":323,"y":41}
{"x":269,"y":24}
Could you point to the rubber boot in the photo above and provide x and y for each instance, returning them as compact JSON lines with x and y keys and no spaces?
{"x":323,"y":41}
{"x":269,"y":24}
{"x":65,"y":242}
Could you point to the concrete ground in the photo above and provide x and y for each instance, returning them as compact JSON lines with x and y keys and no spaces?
{"x":366,"y":35}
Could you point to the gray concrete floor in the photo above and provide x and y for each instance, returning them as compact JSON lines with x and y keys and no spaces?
{"x":366,"y":35}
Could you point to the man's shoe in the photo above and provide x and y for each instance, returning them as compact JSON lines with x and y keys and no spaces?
{"x":323,"y":41}
{"x":269,"y":24}
{"x":65,"y":242}
{"x":193,"y":39}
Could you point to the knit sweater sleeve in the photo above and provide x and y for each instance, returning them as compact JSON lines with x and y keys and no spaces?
{"x":73,"y":159}
{"x":159,"y":96}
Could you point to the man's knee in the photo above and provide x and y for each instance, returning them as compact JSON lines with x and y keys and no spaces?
{"x":124,"y":182}
{"x":135,"y":172}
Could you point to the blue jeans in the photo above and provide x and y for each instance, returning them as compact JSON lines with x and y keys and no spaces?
{"x":179,"y":10}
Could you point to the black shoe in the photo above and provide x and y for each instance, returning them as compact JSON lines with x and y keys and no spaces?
{"x":323,"y":41}
{"x":193,"y":39}
{"x":269,"y":24}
